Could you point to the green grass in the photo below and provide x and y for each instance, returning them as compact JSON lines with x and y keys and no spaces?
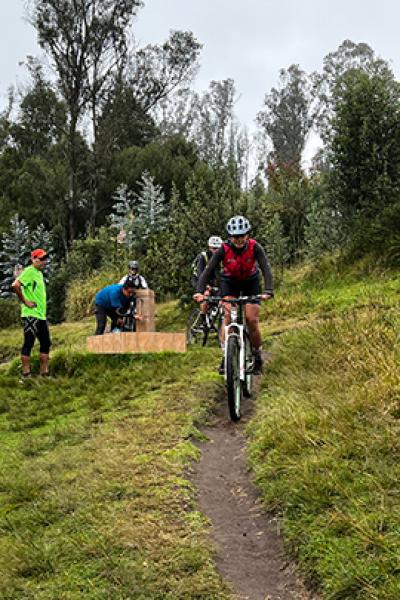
{"x":324,"y":443}
{"x":95,"y":500}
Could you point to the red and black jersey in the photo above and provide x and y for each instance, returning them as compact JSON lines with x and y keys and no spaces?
{"x":239,"y":266}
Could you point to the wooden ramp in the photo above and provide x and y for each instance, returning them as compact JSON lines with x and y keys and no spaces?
{"x":120,"y":343}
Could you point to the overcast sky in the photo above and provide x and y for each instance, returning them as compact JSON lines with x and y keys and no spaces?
{"x":248,"y":41}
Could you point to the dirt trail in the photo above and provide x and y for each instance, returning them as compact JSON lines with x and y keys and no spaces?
{"x":250,"y":554}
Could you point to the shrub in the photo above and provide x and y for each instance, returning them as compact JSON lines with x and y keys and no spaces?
{"x":80,"y":295}
{"x":9,"y":312}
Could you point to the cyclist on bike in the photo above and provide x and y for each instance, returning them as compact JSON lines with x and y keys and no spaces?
{"x":242,"y":258}
{"x":109,"y":300}
{"x":139,"y":280}
{"x":200,"y":263}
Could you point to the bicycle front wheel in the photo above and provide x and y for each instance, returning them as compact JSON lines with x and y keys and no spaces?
{"x":234,"y":385}
{"x":196,"y":332}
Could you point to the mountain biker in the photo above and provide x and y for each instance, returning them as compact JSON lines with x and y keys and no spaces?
{"x":111,"y":298}
{"x":242,"y":258}
{"x":200,"y":263}
{"x":30,"y":288}
{"x":133,"y":271}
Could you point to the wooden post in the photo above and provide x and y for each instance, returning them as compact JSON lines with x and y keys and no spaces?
{"x":145,"y":307}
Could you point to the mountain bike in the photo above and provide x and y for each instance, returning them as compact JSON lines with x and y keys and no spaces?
{"x":199,"y":327}
{"x":238,"y":355}
{"x":128,"y":316}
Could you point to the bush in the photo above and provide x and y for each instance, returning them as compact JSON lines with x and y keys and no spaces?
{"x":9,"y":312}
{"x":80,"y":295}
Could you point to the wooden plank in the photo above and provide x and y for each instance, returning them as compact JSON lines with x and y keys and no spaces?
{"x":120,"y":343}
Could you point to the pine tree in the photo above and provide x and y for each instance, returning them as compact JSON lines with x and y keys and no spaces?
{"x":123,"y":219}
{"x":40,"y":238}
{"x":14,"y":253}
{"x":151,"y":217}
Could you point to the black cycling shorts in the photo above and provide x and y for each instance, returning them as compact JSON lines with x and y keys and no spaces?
{"x":247,"y":287}
{"x":35,"y":328}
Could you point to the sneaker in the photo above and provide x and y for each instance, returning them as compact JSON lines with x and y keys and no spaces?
{"x":258,"y":363}
{"x":221,"y":368}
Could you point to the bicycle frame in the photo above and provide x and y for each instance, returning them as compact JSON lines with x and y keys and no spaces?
{"x":236,"y":328}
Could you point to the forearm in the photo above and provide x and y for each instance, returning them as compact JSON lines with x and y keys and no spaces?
{"x":207,"y":274}
{"x":17,"y":289}
{"x":265,"y":267}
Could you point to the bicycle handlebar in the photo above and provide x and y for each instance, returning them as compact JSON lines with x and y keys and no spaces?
{"x":238,"y":300}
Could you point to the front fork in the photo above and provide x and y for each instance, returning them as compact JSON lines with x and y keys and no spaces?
{"x":234,"y":329}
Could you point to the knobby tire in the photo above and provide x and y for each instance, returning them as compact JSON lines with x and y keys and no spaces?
{"x":234,"y":385}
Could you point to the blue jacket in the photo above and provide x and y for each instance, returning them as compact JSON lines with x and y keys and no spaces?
{"x":111,"y":297}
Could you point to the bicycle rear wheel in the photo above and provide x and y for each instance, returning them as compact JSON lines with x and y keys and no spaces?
{"x":196,"y":333}
{"x":249,"y":365}
{"x":234,"y":385}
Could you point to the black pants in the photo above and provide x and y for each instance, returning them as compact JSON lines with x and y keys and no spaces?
{"x":101,"y":318}
{"x":247,"y":287}
{"x":35,"y":328}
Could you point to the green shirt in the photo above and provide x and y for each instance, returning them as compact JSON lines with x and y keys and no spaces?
{"x":34,"y":290}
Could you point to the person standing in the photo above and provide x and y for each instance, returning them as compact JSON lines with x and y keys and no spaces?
{"x":30,"y":288}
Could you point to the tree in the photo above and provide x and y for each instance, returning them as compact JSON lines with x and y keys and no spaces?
{"x":365,"y":156}
{"x":14,"y":253}
{"x":276,"y":243}
{"x":287,"y":118}
{"x":323,"y":230}
{"x":150,"y":207}
{"x":42,"y":118}
{"x":122,"y":123}
{"x":215,"y":110}
{"x":123,"y":218}
{"x":349,"y":57}
{"x":156,"y":71}
{"x":86,"y":40}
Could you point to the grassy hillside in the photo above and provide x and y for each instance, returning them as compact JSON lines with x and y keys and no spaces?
{"x":325,"y":440}
{"x":95,"y":501}
{"x":93,"y":488}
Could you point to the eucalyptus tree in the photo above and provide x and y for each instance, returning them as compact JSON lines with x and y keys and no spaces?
{"x":349,"y":57}
{"x":286,"y":118}
{"x":158,"y":70}
{"x":87,"y":42}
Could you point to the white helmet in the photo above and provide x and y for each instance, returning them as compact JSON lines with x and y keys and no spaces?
{"x":238,"y":226}
{"x":214,"y":242}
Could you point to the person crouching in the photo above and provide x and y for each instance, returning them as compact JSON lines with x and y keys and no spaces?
{"x":108,"y":300}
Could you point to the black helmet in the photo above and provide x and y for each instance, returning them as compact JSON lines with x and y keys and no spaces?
{"x":133,"y":264}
